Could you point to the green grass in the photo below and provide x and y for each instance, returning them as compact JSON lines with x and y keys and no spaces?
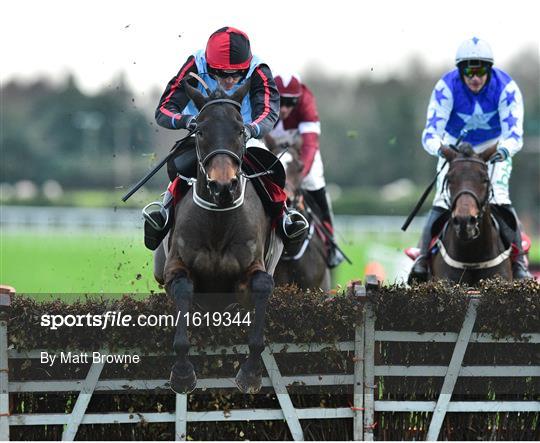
{"x":75,"y":263}
{"x":114,"y":263}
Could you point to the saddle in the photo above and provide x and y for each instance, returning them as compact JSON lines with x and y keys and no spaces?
{"x":256,"y":160}
{"x":269,"y":187}
{"x":503,"y":219}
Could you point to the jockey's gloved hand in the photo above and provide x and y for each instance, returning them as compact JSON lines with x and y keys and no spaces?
{"x":500,"y":155}
{"x":187,"y":121}
{"x":249,"y":132}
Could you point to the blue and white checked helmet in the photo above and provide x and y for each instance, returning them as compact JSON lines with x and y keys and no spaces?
{"x":474,"y":49}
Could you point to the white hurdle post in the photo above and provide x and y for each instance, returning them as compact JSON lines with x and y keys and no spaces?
{"x":5,"y":303}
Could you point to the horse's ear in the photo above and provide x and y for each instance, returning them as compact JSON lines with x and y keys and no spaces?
{"x":448,"y":153}
{"x":487,"y":153}
{"x":241,"y":92}
{"x":195,"y":95}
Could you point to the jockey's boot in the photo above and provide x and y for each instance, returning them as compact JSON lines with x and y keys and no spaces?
{"x":334,"y":257}
{"x":293,"y":230}
{"x":520,"y":266}
{"x":420,"y":271}
{"x":157,"y":221}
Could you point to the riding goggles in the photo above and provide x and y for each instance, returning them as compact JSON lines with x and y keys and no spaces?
{"x":471,"y":71}
{"x":288,"y":102}
{"x":222,"y":73}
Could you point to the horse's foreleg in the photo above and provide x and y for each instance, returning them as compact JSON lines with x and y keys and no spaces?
{"x":249,"y":377}
{"x":183,"y":378}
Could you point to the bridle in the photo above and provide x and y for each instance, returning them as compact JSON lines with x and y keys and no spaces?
{"x":203,"y":161}
{"x":481,"y":204}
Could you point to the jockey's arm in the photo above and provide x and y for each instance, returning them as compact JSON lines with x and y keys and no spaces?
{"x":511,"y":118}
{"x":174,"y":99}
{"x":438,"y":112}
{"x":264,"y":98}
{"x":309,"y":128}
{"x":310,"y":144}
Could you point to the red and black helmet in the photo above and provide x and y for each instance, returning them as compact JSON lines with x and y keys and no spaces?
{"x":228,"y":48}
{"x":289,"y":85}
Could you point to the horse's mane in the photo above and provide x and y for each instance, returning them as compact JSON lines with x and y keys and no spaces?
{"x":466,"y":150}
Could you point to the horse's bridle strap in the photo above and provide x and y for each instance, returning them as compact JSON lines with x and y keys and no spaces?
{"x":471,"y":160}
{"x":221,"y":100}
{"x":472,"y":194}
{"x":481,"y":204}
{"x":225,"y":151}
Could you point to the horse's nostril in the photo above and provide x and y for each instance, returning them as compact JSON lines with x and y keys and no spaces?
{"x":234,"y":185}
{"x":213,"y":186}
{"x":472,"y":219}
{"x":455,"y":221}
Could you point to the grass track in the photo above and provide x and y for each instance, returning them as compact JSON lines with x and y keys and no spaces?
{"x":113,"y":263}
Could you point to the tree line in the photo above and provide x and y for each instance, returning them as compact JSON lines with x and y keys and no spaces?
{"x":370,"y":133}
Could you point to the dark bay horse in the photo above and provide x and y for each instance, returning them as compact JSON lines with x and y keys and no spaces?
{"x":306,"y":267}
{"x":471,"y":247}
{"x":217,"y":247}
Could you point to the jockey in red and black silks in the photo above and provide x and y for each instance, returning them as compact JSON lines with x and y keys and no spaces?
{"x":227,"y":52}
{"x":227,"y":62}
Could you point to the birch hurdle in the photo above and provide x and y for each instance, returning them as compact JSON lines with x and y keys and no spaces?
{"x":361,"y":383}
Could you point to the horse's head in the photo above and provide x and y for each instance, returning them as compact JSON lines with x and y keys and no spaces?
{"x":293,"y":168}
{"x":220,"y":141}
{"x":469,"y":188}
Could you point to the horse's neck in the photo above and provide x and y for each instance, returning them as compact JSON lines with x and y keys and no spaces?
{"x":484,"y":247}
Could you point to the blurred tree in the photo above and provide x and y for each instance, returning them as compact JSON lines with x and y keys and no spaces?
{"x":61,"y":133}
{"x":371,"y":127}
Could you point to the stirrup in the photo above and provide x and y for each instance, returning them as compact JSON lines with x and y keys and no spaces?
{"x":294,"y":218}
{"x":147,"y":215}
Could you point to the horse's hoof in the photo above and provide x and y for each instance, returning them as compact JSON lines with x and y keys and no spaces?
{"x":248,"y":381}
{"x":183,"y":379}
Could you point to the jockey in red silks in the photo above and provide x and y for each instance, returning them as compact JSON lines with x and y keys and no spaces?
{"x":298,"y":117}
{"x":226,"y":62}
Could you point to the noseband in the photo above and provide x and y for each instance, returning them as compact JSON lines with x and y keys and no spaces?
{"x":203,"y":161}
